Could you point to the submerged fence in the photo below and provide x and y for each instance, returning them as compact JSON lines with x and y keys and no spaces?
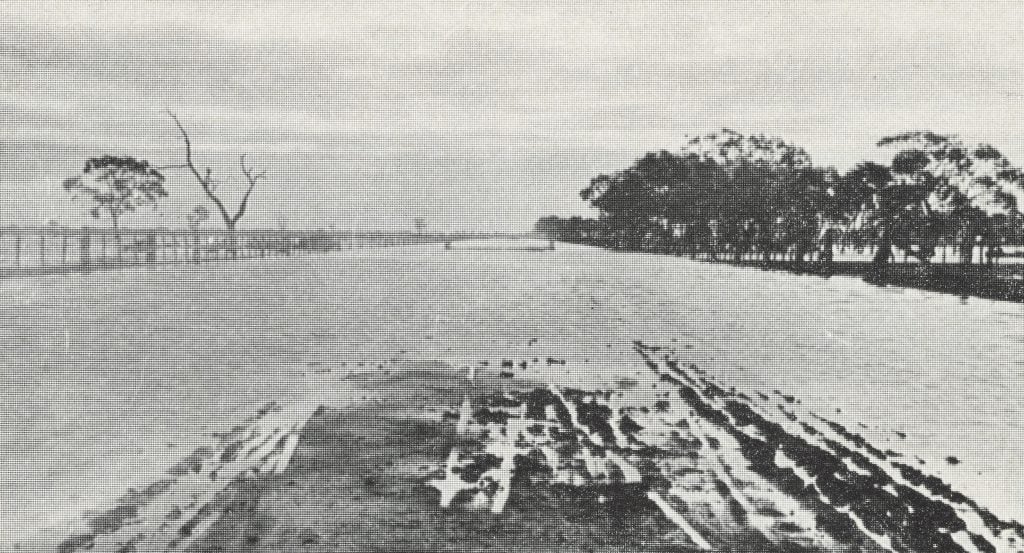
{"x":941,"y":254}
{"x":845,"y":247}
{"x":27,"y":251}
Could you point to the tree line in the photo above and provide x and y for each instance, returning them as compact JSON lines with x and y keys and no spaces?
{"x":731,"y":194}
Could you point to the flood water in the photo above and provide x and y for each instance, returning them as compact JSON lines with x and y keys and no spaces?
{"x":109,"y":378}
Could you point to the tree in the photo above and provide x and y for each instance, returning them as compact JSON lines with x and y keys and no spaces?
{"x":551,"y":226}
{"x":721,"y":188}
{"x":572,"y":229}
{"x":209,"y":185}
{"x":854,"y":203}
{"x":116,"y":186}
{"x":197,"y":217}
{"x":853,"y":192}
{"x":941,"y":188}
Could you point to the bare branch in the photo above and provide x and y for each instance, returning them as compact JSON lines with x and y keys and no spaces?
{"x":206,"y":183}
{"x":209,"y":186}
{"x":249,"y":174}
{"x":188,"y":148}
{"x":252,"y":178}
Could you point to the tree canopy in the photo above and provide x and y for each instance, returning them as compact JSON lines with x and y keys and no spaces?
{"x":733,"y":186}
{"x":953,"y":178}
{"x":720,"y":178}
{"x":116,"y":185}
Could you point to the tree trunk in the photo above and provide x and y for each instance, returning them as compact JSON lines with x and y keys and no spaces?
{"x":232,"y":240}
{"x":117,"y":238}
{"x":884,"y":251}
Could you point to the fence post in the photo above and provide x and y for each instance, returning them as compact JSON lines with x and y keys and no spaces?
{"x":151,"y":248}
{"x":84,"y":260}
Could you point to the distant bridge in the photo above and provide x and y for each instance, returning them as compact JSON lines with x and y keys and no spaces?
{"x":451,"y":239}
{"x":54,"y":250}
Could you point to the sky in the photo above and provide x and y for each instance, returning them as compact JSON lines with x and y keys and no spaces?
{"x":473,"y":116}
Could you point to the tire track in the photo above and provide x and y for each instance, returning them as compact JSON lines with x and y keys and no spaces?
{"x":901,"y":510}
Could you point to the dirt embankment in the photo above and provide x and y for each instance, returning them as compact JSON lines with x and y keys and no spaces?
{"x":367,"y":478}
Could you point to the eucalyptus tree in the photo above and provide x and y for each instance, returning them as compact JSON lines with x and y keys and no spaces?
{"x":115,"y":186}
{"x":197,"y":217}
{"x":942,"y":188}
{"x":757,"y":189}
{"x":715,"y":190}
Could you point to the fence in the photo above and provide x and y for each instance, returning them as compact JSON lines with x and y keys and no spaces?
{"x":943,"y":254}
{"x":972,"y":264}
{"x":27,"y":251}
{"x":846,"y":247}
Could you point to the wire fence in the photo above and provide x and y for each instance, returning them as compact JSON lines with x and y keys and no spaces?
{"x":49,"y":250}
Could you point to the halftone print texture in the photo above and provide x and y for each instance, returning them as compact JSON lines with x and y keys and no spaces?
{"x":517,"y":276}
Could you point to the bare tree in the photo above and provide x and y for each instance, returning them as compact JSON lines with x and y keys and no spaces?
{"x":209,"y":185}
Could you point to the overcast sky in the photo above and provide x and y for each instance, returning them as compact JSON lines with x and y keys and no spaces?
{"x":476,"y":115}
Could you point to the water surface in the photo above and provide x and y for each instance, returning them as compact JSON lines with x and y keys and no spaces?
{"x":108,"y":378}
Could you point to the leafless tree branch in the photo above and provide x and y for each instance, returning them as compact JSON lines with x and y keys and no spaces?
{"x":252,"y":177}
{"x":209,"y":186}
